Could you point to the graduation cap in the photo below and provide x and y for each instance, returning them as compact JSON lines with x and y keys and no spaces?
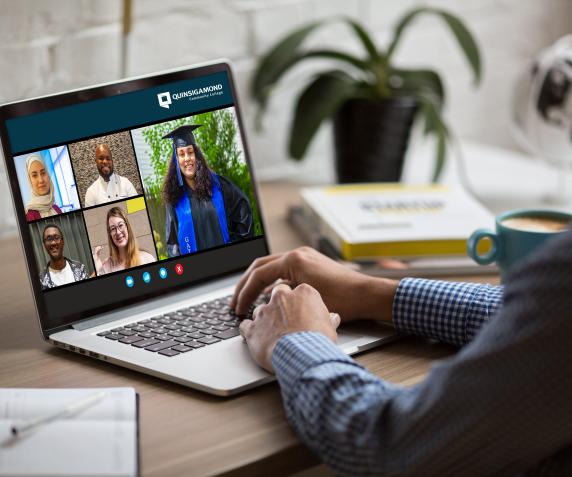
{"x":183,"y":136}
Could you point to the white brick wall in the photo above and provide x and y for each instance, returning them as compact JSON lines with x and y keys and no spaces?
{"x":62,"y":44}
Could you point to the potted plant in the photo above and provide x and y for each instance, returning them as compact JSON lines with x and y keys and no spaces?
{"x":372,"y":101}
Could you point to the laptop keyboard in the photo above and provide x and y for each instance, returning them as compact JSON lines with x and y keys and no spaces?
{"x":183,"y":330}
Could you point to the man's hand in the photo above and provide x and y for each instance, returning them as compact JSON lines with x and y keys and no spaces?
{"x":289,"y":311}
{"x":351,"y":294}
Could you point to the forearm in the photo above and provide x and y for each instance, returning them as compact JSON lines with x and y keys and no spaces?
{"x":371,"y":298}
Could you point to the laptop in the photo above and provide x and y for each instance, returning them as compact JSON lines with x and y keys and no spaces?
{"x":133,"y":240}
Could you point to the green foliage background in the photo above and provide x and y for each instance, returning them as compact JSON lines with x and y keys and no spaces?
{"x":217,"y":138}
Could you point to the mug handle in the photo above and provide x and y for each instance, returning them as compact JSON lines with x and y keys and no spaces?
{"x":473,"y":242}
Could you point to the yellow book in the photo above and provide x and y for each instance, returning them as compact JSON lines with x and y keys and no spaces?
{"x":366,"y":221}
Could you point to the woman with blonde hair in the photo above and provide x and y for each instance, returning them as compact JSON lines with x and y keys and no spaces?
{"x":124,"y":252}
{"x":41,"y":203}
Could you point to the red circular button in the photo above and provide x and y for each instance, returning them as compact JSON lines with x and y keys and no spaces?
{"x":179,"y":269}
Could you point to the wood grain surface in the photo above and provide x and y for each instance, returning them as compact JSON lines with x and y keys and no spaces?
{"x":185,"y":432}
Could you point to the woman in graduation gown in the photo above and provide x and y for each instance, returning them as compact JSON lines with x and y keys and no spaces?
{"x":203,"y":209}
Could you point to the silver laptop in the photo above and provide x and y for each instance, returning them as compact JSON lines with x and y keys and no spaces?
{"x":138,"y":212}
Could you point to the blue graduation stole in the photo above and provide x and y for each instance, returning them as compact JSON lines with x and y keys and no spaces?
{"x":186,"y":231}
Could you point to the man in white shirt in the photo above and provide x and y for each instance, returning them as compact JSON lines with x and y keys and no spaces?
{"x":59,"y":270}
{"x":108,"y":186}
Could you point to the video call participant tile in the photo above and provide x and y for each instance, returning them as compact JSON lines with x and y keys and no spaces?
{"x":105,"y":169}
{"x":61,"y":248}
{"x":120,"y":236}
{"x":47,"y":183}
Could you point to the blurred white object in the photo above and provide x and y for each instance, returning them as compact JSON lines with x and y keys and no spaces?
{"x":542,"y":108}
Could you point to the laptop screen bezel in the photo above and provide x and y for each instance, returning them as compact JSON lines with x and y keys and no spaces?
{"x":47,"y":103}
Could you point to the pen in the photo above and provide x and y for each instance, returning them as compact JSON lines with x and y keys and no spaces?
{"x":75,"y":406}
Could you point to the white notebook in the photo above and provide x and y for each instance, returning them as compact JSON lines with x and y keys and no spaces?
{"x":99,"y":440}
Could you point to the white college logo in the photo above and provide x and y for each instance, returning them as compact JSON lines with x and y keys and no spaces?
{"x":164,"y":99}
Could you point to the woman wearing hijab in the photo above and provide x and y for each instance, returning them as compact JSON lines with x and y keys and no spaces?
{"x":124,"y":250}
{"x":41,"y":203}
{"x":203,"y":209}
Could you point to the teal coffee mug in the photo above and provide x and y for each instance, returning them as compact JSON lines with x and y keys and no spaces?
{"x":518,"y":233}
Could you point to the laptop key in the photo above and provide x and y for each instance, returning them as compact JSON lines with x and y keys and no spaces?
{"x":176,"y":333}
{"x":161,"y":346}
{"x":200,"y":326}
{"x":195,"y":335}
{"x":126,"y":332}
{"x":169,"y":352}
{"x":164,"y":337}
{"x":182,"y":348}
{"x":209,"y":332}
{"x":208,"y":340}
{"x":220,"y":328}
{"x":145,"y":343}
{"x":182,"y":339}
{"x":228,"y":334}
{"x":104,"y":333}
{"x":172,"y":327}
{"x":113,"y":336}
{"x":226,"y":318}
{"x":130,"y":339}
{"x":194,"y":344}
{"x":146,"y":334}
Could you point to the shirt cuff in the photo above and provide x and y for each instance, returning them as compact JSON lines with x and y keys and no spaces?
{"x":445,"y":311}
{"x":296,"y":353}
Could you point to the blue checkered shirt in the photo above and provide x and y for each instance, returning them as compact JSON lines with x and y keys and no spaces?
{"x":501,"y":406}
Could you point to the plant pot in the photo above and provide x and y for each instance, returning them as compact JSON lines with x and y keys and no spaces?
{"x":371,"y":138}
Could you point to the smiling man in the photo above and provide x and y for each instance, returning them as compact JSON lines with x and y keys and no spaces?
{"x":59,"y":270}
{"x":203,"y":209}
{"x":109,"y":185}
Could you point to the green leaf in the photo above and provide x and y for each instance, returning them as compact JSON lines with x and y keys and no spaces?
{"x":318,"y":101}
{"x":278,"y":59}
{"x":286,"y":53}
{"x":466,"y":42}
{"x":463,"y":36}
{"x":435,"y":125}
{"x":366,"y":40}
{"x":440,"y":154}
{"x":419,"y":80}
{"x":264,"y":90}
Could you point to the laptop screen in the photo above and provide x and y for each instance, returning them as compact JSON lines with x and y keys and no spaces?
{"x":127,"y":191}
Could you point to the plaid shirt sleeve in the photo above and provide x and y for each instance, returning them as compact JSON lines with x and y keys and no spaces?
{"x":501,"y":406}
{"x":445,"y":311}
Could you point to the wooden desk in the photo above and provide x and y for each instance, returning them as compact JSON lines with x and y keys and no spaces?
{"x":185,"y":432}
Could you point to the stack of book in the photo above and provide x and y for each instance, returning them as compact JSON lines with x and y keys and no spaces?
{"x":393,"y":229}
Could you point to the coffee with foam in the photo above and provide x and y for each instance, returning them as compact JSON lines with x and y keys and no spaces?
{"x":536,"y":224}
